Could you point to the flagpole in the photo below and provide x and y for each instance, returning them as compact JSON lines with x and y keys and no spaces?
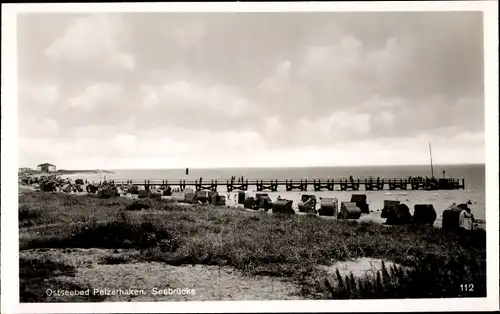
{"x":430,"y":153}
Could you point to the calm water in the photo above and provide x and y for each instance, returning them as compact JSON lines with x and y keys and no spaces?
{"x":474,"y":182}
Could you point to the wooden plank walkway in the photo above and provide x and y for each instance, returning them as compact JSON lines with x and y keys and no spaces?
{"x":368,"y":184}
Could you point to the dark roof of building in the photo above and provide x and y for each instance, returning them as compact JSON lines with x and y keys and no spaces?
{"x":46,"y":164}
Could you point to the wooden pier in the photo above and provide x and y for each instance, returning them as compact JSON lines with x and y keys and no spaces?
{"x":368,"y":184}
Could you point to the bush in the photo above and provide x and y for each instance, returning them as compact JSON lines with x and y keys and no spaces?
{"x":109,"y":235}
{"x":431,"y":278}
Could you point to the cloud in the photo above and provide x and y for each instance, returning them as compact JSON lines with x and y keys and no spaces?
{"x":123,"y":60}
{"x":94,"y":38}
{"x":91,"y":131}
{"x":148,"y":96}
{"x":279,"y":82}
{"x":188,"y":35}
{"x":343,"y":74}
{"x":36,"y":127}
{"x":183,"y":145}
{"x":43,"y":95}
{"x":371,"y":87}
{"x":342,"y":57}
{"x":181,"y":95}
{"x":200,"y":149}
{"x":336,"y":127}
{"x":95,"y":95}
{"x":256,"y":89}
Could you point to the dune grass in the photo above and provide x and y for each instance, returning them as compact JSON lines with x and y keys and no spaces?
{"x":260,"y":244}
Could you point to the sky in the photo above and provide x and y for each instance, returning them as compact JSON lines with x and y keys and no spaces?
{"x":174,"y":90}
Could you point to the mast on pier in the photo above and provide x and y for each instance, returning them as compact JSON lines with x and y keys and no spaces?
{"x":432,"y":167}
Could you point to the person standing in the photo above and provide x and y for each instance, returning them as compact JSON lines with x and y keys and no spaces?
{"x":465,"y":220}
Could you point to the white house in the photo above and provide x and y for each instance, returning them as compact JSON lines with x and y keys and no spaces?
{"x":46,"y":167}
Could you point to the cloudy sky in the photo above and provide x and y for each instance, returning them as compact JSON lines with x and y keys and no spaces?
{"x":169,"y":90}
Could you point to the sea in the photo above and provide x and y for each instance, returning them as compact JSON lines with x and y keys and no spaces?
{"x":474,"y":175}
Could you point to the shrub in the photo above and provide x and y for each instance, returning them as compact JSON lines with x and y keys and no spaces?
{"x":432,"y":278}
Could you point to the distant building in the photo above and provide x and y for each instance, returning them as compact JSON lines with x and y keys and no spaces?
{"x":46,"y":167}
{"x":24,"y":170}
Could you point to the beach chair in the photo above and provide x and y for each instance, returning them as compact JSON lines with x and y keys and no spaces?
{"x":156,"y":194}
{"x":360,"y":200}
{"x":451,"y":217}
{"x":389,"y":206}
{"x":399,"y":215}
{"x":190,"y":198}
{"x":204,"y":196}
{"x":307,"y":204}
{"x":108,"y":192}
{"x":349,"y":210}
{"x":179,"y":196}
{"x":328,"y":206}
{"x":218,"y":200}
{"x":424,"y":214}
{"x":144,"y":193}
{"x":263,"y":201}
{"x":241,"y":197}
{"x":249,"y":203}
{"x":283,"y":206}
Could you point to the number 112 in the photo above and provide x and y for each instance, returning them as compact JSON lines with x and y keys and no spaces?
{"x":467,"y":287}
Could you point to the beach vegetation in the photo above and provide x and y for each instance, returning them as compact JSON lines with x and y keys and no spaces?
{"x":433,"y":262}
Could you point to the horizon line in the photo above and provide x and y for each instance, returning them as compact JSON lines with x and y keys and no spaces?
{"x":267,"y":167}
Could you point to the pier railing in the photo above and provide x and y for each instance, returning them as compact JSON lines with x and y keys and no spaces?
{"x":343,"y":184}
